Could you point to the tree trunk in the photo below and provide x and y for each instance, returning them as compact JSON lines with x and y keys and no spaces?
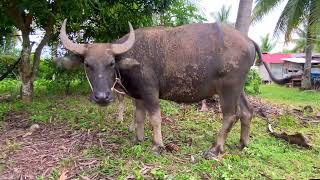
{"x":27,"y":91}
{"x":54,"y":50}
{"x":244,"y":16}
{"x":306,"y":79}
{"x":25,"y":70}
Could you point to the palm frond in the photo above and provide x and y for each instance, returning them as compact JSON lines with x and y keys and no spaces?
{"x":267,"y":44}
{"x":263,"y":7}
{"x":314,"y":17}
{"x":223,"y":14}
{"x":291,"y":17}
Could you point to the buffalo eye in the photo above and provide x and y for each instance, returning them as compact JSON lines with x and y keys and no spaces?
{"x":112,"y":64}
{"x":87,"y":65}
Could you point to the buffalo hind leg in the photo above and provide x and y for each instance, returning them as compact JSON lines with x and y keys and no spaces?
{"x":140,"y":115}
{"x":246,"y":113}
{"x":229,"y":104}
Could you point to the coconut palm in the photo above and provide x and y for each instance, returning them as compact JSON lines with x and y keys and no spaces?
{"x":301,"y":41}
{"x":244,"y":16}
{"x":293,"y":15}
{"x":222,"y":15}
{"x":267,"y":44}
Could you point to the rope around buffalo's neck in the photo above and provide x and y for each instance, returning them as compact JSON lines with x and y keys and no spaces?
{"x":85,"y":71}
{"x":117,"y":81}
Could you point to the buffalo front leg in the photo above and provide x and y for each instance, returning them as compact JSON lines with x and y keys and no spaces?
{"x":204,"y":107}
{"x":155,"y":119}
{"x":140,"y":115}
{"x":121,"y":107}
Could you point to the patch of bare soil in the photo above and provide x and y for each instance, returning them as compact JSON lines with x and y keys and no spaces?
{"x":263,"y":109}
{"x":257,"y":104}
{"x":28,"y":151}
{"x":268,"y":110}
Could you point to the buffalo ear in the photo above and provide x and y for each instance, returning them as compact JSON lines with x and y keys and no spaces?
{"x":127,"y":63}
{"x":71,"y":62}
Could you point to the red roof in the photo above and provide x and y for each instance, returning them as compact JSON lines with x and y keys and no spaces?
{"x":275,"y":58}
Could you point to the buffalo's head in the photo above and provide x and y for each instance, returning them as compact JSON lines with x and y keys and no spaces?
{"x":99,"y":63}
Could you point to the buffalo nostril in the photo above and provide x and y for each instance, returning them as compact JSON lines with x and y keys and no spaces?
{"x":100,"y":95}
{"x":109,"y":96}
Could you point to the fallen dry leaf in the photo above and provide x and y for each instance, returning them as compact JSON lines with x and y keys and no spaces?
{"x":171,"y":147}
{"x":298,"y":138}
{"x":63,"y":175}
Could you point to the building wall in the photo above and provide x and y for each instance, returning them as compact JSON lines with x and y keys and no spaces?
{"x":276,"y":70}
{"x":290,"y":68}
{"x":263,"y":73}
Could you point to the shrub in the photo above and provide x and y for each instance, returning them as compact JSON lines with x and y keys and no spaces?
{"x":253,"y":82}
{"x":57,"y":79}
{"x":5,"y":62}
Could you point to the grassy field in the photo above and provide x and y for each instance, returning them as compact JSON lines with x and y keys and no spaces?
{"x":191,"y":131}
{"x":290,"y":96}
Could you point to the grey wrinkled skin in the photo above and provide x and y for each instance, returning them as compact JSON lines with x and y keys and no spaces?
{"x":182,"y":64}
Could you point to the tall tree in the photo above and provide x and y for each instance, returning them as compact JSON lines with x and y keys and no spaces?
{"x":244,"y":16}
{"x":301,"y":41}
{"x":99,"y":20}
{"x":179,"y":12}
{"x":222,"y":15}
{"x":293,"y":15}
{"x":24,"y":15}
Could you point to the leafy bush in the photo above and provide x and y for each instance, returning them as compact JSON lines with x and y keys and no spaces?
{"x":5,"y":62}
{"x":10,"y":86}
{"x":253,"y":82}
{"x":57,"y":79}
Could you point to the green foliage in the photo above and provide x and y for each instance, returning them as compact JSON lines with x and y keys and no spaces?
{"x":59,"y":79}
{"x":266,"y":44}
{"x":7,"y":31}
{"x":301,"y":41}
{"x":158,"y":174}
{"x":223,"y":14}
{"x":108,"y":19}
{"x":10,"y":86}
{"x":5,"y":62}
{"x":180,"y":12}
{"x":253,"y":82}
{"x":293,"y":15}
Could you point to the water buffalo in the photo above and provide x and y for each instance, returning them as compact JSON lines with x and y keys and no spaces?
{"x":182,"y":64}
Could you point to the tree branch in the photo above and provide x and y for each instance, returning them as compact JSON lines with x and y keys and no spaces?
{"x":10,"y":69}
{"x":17,"y":18}
{"x":44,"y":41}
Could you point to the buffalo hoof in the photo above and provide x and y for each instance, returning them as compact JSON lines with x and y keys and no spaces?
{"x":242,"y":145}
{"x":204,"y":108}
{"x":157,"y":150}
{"x":136,"y":140}
{"x":212,"y":153}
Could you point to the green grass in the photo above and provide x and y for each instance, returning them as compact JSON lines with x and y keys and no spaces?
{"x":290,"y":96}
{"x":266,"y":157}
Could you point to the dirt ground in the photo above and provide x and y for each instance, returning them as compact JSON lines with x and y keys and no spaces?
{"x":27,"y":150}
